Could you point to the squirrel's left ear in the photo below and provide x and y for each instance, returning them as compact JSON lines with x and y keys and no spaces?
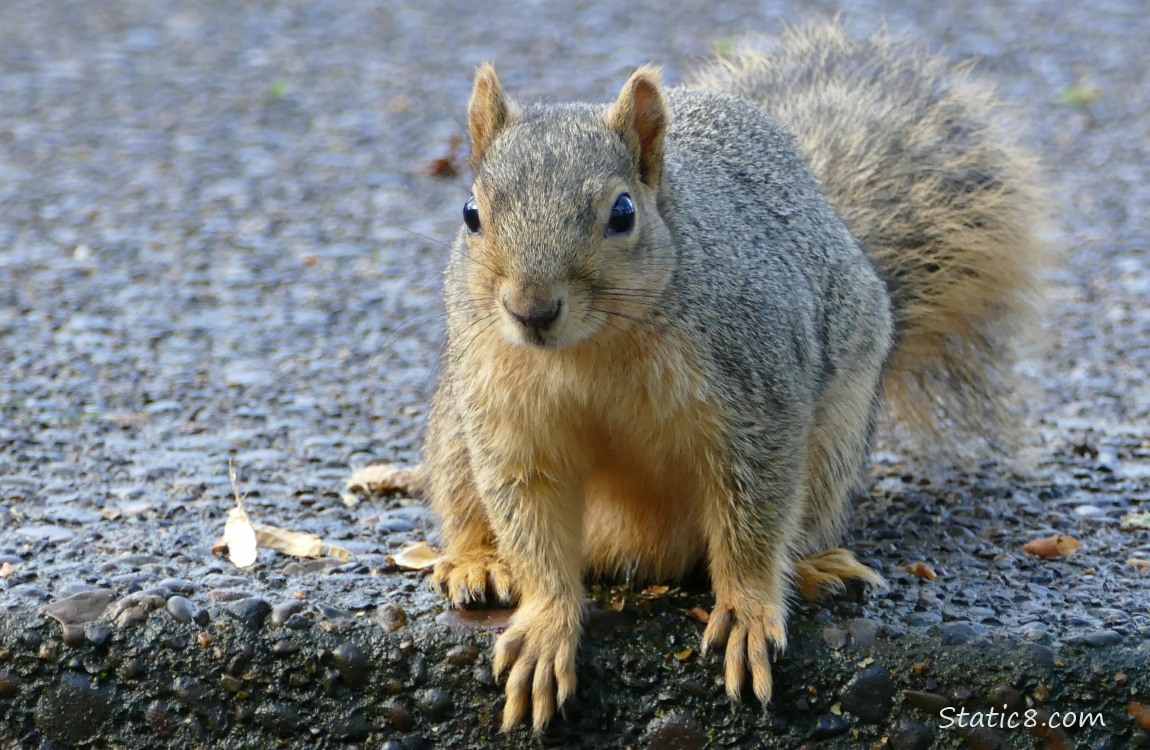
{"x":640,"y":116}
{"x":488,"y":112}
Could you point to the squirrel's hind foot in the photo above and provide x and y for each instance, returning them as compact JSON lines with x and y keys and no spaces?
{"x":378,"y":479}
{"x":829,"y":571}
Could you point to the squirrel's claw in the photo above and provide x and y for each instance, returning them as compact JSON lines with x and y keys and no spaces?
{"x":540,"y":662}
{"x":472,"y":578}
{"x":752,"y":634}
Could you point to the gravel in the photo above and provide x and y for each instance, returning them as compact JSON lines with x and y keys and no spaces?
{"x":219,"y":246}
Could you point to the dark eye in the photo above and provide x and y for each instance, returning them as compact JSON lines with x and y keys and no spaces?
{"x":622,"y":219}
{"x":471,"y":215}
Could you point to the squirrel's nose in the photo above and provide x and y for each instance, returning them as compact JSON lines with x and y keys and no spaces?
{"x":537,"y":314}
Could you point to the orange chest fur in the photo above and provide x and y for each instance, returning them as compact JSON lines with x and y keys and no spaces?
{"x":634,"y":427}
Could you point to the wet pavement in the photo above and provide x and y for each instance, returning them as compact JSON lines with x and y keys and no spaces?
{"x":219,"y":242}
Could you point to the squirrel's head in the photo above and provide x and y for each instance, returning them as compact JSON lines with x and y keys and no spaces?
{"x":562,"y":237}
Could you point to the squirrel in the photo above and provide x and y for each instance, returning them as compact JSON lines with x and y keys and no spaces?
{"x":673,"y":320}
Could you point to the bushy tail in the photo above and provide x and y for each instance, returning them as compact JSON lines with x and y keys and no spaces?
{"x":919,"y":161}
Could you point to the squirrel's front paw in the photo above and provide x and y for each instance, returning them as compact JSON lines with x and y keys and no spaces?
{"x":539,"y":650}
{"x":474,"y":577}
{"x":752,"y":631}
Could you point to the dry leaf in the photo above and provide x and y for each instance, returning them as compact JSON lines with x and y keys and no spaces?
{"x":448,"y":164}
{"x":700,"y":614}
{"x":418,"y":556}
{"x":6,"y":569}
{"x":922,"y":570}
{"x":656,"y":590}
{"x":1051,"y":546}
{"x":1140,"y":712}
{"x":240,"y":538}
{"x":379,"y":478}
{"x":1135,"y":521}
{"x":1138,"y":562}
{"x":297,"y":543}
{"x":683,"y":655}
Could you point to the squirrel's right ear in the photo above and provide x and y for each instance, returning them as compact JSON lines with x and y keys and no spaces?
{"x":640,"y":116}
{"x":488,"y":112}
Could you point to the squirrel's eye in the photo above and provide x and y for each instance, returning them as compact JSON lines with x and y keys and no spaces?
{"x":622,"y":219}
{"x":471,"y":215}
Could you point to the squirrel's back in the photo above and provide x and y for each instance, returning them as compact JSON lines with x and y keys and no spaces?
{"x":917,"y":159}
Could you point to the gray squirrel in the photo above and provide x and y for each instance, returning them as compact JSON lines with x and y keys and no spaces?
{"x":672,"y":322}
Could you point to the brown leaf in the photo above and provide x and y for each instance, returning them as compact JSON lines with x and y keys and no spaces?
{"x":446,"y":165}
{"x":6,"y":569}
{"x":683,"y":655}
{"x":1140,"y":712}
{"x":1138,"y":562}
{"x":297,"y":543}
{"x":700,"y":614}
{"x":656,"y":590}
{"x":1051,"y":546}
{"x":418,"y":556}
{"x":921,"y":569}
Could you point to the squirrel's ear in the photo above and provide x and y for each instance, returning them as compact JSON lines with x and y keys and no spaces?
{"x":488,"y":112}
{"x":640,"y":116}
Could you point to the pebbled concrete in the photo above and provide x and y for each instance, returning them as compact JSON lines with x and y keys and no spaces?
{"x":218,"y":241}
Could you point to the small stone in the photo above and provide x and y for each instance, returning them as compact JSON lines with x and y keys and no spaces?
{"x":228,"y":595}
{"x":399,"y":715}
{"x":463,"y":655}
{"x":181,"y":609}
{"x":827,"y":727}
{"x":923,"y":619}
{"x":161,"y":719}
{"x":390,"y":616}
{"x":415,"y":742}
{"x":98,"y":633}
{"x":251,"y":611}
{"x":675,"y":731}
{"x":932,"y":703}
{"x":955,"y":633}
{"x":981,"y":738}
{"x":329,"y":612}
{"x":279,"y":719}
{"x":434,"y":703}
{"x":836,"y":638}
{"x":73,"y":711}
{"x":338,"y":625}
{"x":178,"y":586}
{"x":870,"y":694}
{"x":910,"y":735}
{"x":285,"y":648}
{"x":281,"y":612}
{"x":352,"y":665}
{"x":1098,"y":638}
{"x":298,"y":621}
{"x":1006,"y":699}
{"x":9,"y":685}
{"x":80,"y":608}
{"x":863,"y":631}
{"x":352,"y":726}
{"x":46,"y":532}
{"x":192,"y":692}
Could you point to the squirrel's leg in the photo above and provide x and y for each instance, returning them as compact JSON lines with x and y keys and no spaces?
{"x":752,"y":525}
{"x":836,"y":459}
{"x":471,"y":569}
{"x":538,"y":521}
